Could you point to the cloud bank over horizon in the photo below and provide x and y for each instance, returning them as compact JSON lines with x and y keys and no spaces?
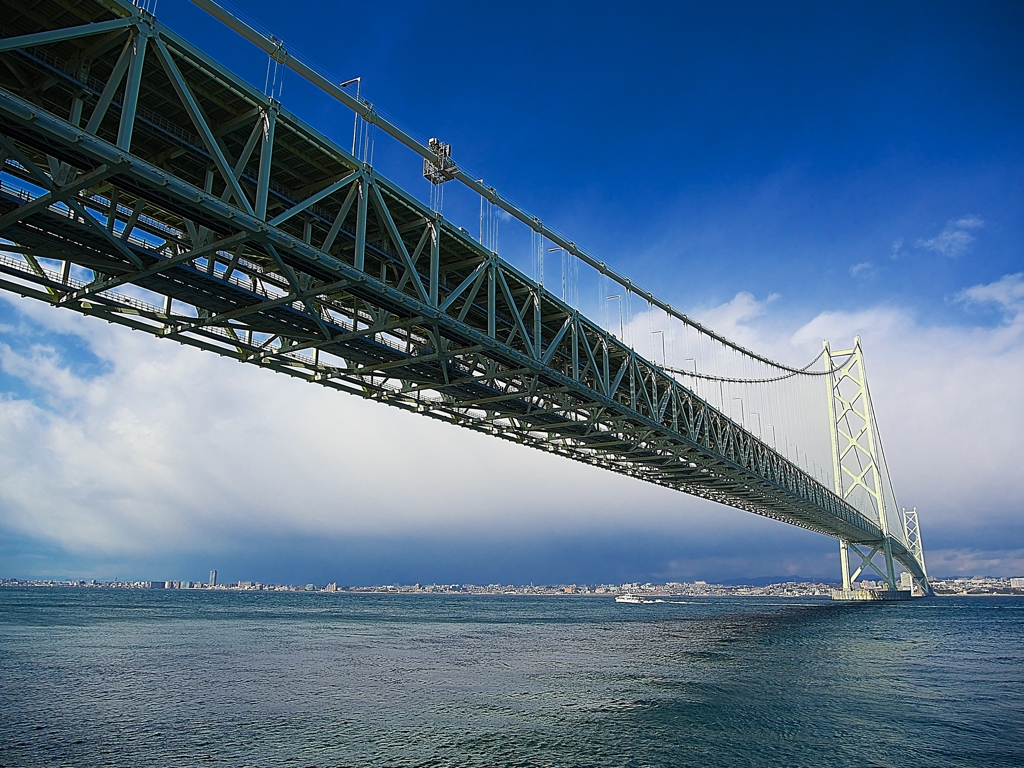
{"x":127,"y":454}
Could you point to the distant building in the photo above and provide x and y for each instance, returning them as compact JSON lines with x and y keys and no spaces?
{"x":213,"y":578}
{"x":906,"y":581}
{"x":1017,"y":583}
{"x":158,"y":585}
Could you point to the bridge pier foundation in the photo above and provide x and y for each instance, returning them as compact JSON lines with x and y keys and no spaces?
{"x":871,"y":595}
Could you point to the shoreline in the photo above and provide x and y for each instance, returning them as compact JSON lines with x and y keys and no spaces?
{"x":674,"y":591}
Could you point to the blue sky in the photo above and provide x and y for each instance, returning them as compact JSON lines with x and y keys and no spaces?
{"x":707,"y":148}
{"x":787,"y":171}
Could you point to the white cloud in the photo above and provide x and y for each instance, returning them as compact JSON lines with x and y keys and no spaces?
{"x":955,"y":237}
{"x":949,"y":408}
{"x":732,"y":318}
{"x":970,"y":221}
{"x":169,"y":449}
{"x":1006,"y":293}
{"x":862,"y":269}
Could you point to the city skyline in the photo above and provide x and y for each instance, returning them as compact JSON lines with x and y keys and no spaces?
{"x":797,"y":587}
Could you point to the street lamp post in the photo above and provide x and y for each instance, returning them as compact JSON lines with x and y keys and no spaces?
{"x":564,"y":253}
{"x":743,"y":416}
{"x":618,"y":298}
{"x":355,"y":120}
{"x":664,"y":361}
{"x":759,"y":431}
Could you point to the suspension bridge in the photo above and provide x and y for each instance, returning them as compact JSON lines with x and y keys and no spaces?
{"x":144,"y":183}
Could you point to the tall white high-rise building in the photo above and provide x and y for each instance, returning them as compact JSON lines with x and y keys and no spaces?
{"x":213,"y":578}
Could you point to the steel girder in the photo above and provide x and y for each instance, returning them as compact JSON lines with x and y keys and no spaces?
{"x":191,"y":206}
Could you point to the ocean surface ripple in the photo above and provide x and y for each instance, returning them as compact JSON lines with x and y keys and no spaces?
{"x":97,"y":678}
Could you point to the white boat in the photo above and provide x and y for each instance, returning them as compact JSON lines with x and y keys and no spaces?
{"x":629,"y":598}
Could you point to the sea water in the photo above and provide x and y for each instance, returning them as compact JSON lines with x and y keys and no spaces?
{"x":103,"y":677}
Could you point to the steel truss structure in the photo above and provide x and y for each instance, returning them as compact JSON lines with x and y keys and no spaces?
{"x":147,"y":185}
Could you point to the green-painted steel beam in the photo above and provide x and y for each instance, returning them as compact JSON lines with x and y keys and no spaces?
{"x":67,"y":33}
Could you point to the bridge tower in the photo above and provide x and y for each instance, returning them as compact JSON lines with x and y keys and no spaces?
{"x":912,"y":533}
{"x":859,"y":472}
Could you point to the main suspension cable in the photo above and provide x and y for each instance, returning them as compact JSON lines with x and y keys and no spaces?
{"x":805,"y":371}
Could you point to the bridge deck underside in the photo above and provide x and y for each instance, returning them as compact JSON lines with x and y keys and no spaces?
{"x":224,"y":222}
